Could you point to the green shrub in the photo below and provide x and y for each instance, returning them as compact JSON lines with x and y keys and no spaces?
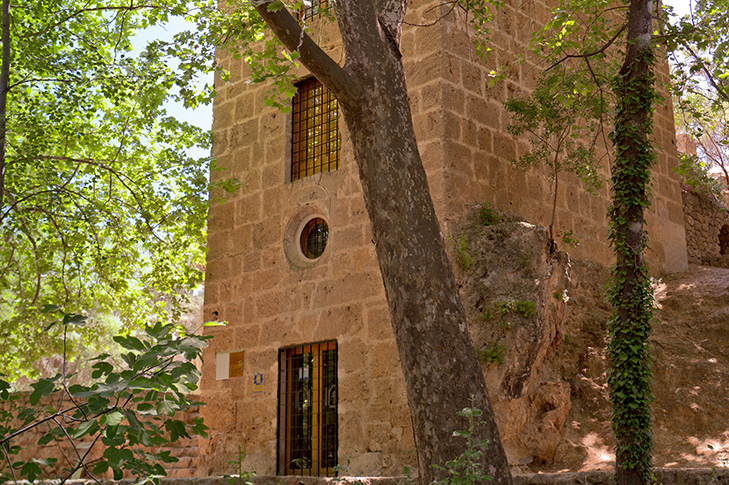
{"x":492,"y":353}
{"x":463,"y":255}
{"x":466,"y":469}
{"x":130,"y":408}
{"x":489,"y":216}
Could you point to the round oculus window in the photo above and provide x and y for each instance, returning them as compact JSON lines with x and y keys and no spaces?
{"x":313,"y":239}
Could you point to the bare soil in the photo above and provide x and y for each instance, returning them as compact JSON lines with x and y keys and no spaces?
{"x":690,"y":342}
{"x":546,"y":369}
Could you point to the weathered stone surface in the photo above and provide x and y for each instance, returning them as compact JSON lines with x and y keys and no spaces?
{"x":707,"y":229}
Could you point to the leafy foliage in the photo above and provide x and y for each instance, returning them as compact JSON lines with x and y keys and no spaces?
{"x":463,"y":255}
{"x":583,"y":32}
{"x":466,"y":469}
{"x":694,"y":173}
{"x":563,"y":119}
{"x":705,"y":126}
{"x":489,"y":216}
{"x":104,"y":210}
{"x":699,"y":47}
{"x":492,"y":353}
{"x":129,"y":410}
{"x":699,"y":73}
{"x":629,"y":375}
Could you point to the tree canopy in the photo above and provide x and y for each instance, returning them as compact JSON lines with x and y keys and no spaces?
{"x":103,"y":211}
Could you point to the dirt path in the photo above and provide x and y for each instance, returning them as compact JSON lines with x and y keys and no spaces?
{"x":691,"y":371}
{"x":691,"y":368}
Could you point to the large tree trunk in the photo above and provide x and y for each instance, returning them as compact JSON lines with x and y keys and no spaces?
{"x":629,"y":378}
{"x":439,"y":362}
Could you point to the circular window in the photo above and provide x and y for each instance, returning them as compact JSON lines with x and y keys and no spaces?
{"x":306,"y":236}
{"x":314,"y":237}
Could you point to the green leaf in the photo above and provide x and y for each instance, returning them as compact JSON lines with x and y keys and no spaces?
{"x":146,"y":361}
{"x":46,"y":461}
{"x":215,"y":323}
{"x":31,"y":470}
{"x":4,"y":390}
{"x":114,"y":418}
{"x":166,"y":407}
{"x":129,"y":343}
{"x":89,"y":427}
{"x":42,"y":388}
{"x":146,"y":408}
{"x":101,"y":368}
{"x":50,"y":308}
{"x":176,"y":429}
{"x":45,"y":439}
{"x":100,"y":467}
{"x":74,"y":319}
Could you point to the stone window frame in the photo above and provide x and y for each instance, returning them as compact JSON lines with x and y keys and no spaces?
{"x":292,"y":236}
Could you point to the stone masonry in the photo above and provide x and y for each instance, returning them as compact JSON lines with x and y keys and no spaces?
{"x":272,"y":300}
{"x":707,"y":227}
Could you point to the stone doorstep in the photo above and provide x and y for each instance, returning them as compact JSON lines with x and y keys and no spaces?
{"x":664,"y":476}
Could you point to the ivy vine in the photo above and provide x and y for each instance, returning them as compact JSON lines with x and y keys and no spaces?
{"x":629,"y":377}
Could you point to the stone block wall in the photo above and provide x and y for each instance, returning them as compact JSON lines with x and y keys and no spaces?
{"x":704,"y":220}
{"x":271,"y":301}
{"x":478,"y":150}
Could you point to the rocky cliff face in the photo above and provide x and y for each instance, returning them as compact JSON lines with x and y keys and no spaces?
{"x":539,"y":322}
{"x":515,"y":293}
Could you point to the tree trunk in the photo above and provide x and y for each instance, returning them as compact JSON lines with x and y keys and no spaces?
{"x":629,"y":377}
{"x":4,"y":86}
{"x":439,"y":362}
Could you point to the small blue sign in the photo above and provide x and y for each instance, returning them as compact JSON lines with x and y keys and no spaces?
{"x":257,"y":383}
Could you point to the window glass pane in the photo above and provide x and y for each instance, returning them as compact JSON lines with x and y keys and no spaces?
{"x":308,"y":440}
{"x":315,"y":131}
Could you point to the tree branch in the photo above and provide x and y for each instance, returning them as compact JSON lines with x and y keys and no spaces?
{"x":710,"y":77}
{"x":92,"y":9}
{"x":81,"y":463}
{"x":10,"y":463}
{"x":4,"y":82}
{"x":593,"y":53}
{"x":339,"y":81}
{"x":452,"y":7}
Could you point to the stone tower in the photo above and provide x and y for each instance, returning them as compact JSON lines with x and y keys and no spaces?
{"x":305,"y":377}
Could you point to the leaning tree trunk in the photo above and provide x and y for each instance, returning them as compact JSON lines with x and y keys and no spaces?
{"x":440,"y":366}
{"x":629,"y":378}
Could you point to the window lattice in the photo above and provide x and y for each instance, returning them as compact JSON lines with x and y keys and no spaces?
{"x":314,"y":237}
{"x":316,"y":138}
{"x":314,"y":9}
{"x":308,"y":410}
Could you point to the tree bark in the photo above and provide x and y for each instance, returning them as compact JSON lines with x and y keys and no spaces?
{"x":439,"y":362}
{"x":629,"y":377}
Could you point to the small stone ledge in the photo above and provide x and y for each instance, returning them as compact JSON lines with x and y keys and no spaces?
{"x":664,"y":476}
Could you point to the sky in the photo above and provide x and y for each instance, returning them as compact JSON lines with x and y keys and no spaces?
{"x":680,"y":7}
